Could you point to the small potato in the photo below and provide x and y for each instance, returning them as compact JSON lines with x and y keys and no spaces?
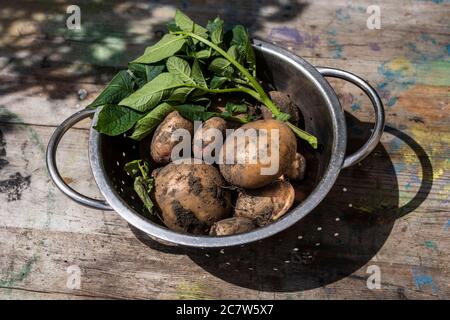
{"x":249,"y":170}
{"x":285,"y":104}
{"x":266,"y":204}
{"x":297,"y":169}
{"x":162,"y":142}
{"x":191,"y":197}
{"x":231,"y":226}
{"x":204,"y":140}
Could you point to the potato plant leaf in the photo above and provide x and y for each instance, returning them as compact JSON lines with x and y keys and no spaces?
{"x":215,"y":29}
{"x":197,"y":75}
{"x":114,"y":120}
{"x":185,"y":23}
{"x":194,"y":112}
{"x":151,"y":94}
{"x":120,"y":87}
{"x":221,"y":67}
{"x":181,"y":68}
{"x":164,"y":48}
{"x":150,"y":121}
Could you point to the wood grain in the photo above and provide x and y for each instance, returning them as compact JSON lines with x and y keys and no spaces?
{"x":391,"y":212}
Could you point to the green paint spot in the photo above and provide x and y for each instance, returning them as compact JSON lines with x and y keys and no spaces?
{"x":435,"y":73}
{"x":431,"y":244}
{"x":192,"y":291}
{"x":12,"y":277}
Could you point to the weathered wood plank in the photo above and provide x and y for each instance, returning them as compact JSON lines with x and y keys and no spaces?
{"x":394,"y":212}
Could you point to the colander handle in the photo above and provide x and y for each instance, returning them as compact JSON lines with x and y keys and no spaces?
{"x":377,"y":131}
{"x":53,"y":170}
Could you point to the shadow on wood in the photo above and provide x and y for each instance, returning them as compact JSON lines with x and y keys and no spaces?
{"x":336,"y":239}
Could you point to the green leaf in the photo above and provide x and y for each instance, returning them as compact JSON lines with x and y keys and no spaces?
{"x":150,"y":121}
{"x":242,"y":41}
{"x":283,"y":116}
{"x":179,"y":95}
{"x":312,"y":140}
{"x":216,"y":82}
{"x":143,"y":188}
{"x":236,"y":107}
{"x":234,"y":53}
{"x":143,"y":182}
{"x":164,"y":48}
{"x":197,"y":75}
{"x":151,"y":94}
{"x":221,"y":67}
{"x":215,"y":29}
{"x":145,"y":72}
{"x":194,"y":112}
{"x":172,"y":26}
{"x":114,"y":120}
{"x":181,"y":68}
{"x":202,"y":54}
{"x":186,"y":24}
{"x":120,"y":87}
{"x":137,"y":168}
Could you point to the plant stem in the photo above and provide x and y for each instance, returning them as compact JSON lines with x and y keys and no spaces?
{"x":259,"y":95}
{"x":248,"y":91}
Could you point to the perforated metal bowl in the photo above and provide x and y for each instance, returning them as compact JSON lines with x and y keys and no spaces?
{"x":287,"y":72}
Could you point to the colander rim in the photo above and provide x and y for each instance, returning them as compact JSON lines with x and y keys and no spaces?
{"x":317,"y":195}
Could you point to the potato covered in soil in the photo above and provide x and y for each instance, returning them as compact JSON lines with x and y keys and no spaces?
{"x":162,"y":142}
{"x":266,"y":204}
{"x":206,"y":140}
{"x":247,"y":170}
{"x":191,"y":197}
{"x":297,"y":168}
{"x":285,"y":104}
{"x":231,"y":226}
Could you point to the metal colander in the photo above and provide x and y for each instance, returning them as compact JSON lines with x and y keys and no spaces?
{"x":323,"y":117}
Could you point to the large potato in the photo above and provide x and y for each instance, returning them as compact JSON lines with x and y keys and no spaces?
{"x":163,"y":142}
{"x":206,"y":142}
{"x":246,"y":171}
{"x":191,"y":196}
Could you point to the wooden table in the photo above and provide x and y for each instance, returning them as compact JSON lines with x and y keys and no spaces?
{"x":388,"y":216}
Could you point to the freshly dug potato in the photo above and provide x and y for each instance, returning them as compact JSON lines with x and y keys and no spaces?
{"x":250,"y":171}
{"x":191,"y":197}
{"x":266,"y":204}
{"x":202,"y":144}
{"x":297,"y":168}
{"x":231,"y":226}
{"x":162,"y":144}
{"x":285,"y":104}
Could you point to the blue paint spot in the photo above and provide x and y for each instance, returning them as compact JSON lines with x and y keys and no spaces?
{"x":337,"y":51}
{"x":408,"y":186}
{"x":448,"y":49}
{"x":392,"y":101}
{"x":356,"y":106}
{"x":332,"y":32}
{"x":374,"y":46}
{"x":342,"y":15}
{"x":427,"y":37}
{"x":447,"y":225}
{"x":422,"y":280}
{"x":286,"y":34}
